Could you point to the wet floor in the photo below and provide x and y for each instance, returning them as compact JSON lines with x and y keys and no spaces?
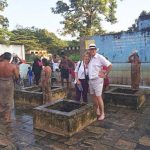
{"x":122,"y":129}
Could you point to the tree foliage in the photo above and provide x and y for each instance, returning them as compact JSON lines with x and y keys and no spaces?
{"x":83,"y":17}
{"x":26,"y":37}
{"x":4,"y":36}
{"x":74,"y":57}
{"x":73,"y":43}
{"x":49,"y":40}
{"x":143,"y":13}
{"x":3,"y":20}
{"x":37,"y":39}
{"x":3,"y":4}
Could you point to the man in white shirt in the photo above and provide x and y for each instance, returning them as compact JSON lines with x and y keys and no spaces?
{"x":96,"y":78}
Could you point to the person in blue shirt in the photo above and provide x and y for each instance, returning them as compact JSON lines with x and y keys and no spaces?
{"x":30,"y":76}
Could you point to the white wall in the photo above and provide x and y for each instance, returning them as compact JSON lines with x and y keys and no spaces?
{"x":17,"y":49}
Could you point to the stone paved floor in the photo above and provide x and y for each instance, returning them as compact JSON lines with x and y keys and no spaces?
{"x":123,"y":129}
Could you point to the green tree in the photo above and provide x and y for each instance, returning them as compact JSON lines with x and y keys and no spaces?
{"x":73,"y":43}
{"x":83,"y":17}
{"x":75,"y":57}
{"x":25,"y":36}
{"x":5,"y":36}
{"x":49,"y":40}
{"x":3,"y":20}
{"x":143,"y":13}
{"x":3,"y":4}
{"x":37,"y":39}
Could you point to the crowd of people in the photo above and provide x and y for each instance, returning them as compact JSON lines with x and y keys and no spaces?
{"x":90,"y":74}
{"x":39,"y":73}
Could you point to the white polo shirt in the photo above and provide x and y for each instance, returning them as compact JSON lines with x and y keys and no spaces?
{"x":80,"y":70}
{"x":95,"y":65}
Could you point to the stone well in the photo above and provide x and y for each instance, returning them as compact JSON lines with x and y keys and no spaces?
{"x":32,"y":96}
{"x":63,"y":117}
{"x":125,"y":97}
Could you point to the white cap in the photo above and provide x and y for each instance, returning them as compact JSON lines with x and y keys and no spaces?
{"x":92,"y":46}
{"x":134,"y":51}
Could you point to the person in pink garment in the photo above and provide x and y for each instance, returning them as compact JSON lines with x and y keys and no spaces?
{"x":106,"y":79}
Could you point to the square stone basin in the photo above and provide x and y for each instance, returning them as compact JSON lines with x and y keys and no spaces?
{"x":65,"y":106}
{"x":125,"y":97}
{"x":63,"y":117}
{"x":32,"y":96}
{"x":38,"y":89}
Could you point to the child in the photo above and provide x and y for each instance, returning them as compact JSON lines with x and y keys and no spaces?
{"x":30,"y":75}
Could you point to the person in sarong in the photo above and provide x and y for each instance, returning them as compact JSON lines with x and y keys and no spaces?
{"x":64,"y":70}
{"x":8,"y":73}
{"x":135,"y":69}
{"x":36,"y":69}
{"x":106,"y":79}
{"x":71,"y":67}
{"x":45,"y":81}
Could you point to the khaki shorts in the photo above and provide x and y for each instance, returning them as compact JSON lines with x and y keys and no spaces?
{"x":96,"y":86}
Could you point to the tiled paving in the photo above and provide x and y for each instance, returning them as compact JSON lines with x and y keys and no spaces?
{"x":122,"y":129}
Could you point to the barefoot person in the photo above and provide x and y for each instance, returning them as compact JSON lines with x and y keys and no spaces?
{"x":135,"y":69}
{"x":64,"y":70}
{"x":46,"y":81}
{"x":96,"y":78}
{"x":81,"y":75}
{"x":8,"y":72}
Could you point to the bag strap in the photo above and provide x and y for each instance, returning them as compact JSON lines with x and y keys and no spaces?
{"x":79,"y":65}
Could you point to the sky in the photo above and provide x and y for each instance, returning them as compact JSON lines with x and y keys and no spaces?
{"x":37,"y":13}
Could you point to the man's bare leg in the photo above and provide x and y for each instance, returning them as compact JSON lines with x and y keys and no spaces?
{"x":97,"y":109}
{"x":101,"y":107}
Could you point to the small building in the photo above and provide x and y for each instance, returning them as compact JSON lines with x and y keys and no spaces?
{"x":37,"y":52}
{"x":40,"y":53}
{"x":19,"y":50}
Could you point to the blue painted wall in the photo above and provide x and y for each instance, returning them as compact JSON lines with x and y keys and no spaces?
{"x":118,"y":47}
